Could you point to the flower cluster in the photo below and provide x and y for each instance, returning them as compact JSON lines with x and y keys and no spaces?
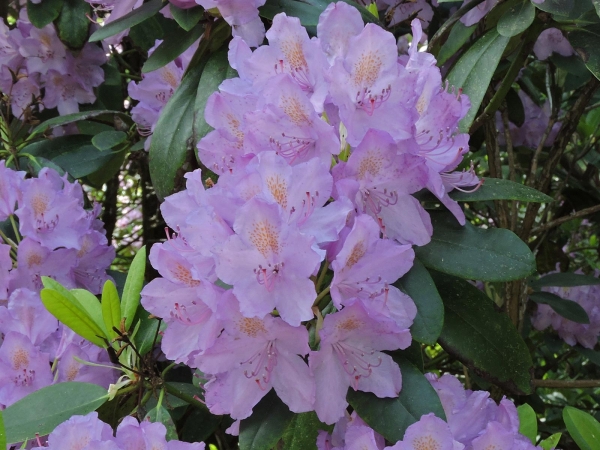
{"x":572,"y":332}
{"x":474,"y":422}
{"x":90,"y":433}
{"x":318,"y":144}
{"x":155,"y":90}
{"x":33,"y":59}
{"x":58,"y":238}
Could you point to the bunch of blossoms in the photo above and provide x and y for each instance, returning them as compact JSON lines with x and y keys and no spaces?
{"x":474,"y":422}
{"x":572,"y":332}
{"x":155,"y":90}
{"x":244,"y":273}
{"x":58,"y":238}
{"x":32,"y":59}
{"x":90,"y":433}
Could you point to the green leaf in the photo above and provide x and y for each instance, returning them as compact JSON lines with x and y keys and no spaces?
{"x":145,"y":34}
{"x":583,"y":428}
{"x":161,"y":415}
{"x":367,"y":15}
{"x":42,"y":411}
{"x":459,"y":34}
{"x":302,"y":432}
{"x":216,"y":70}
{"x":474,"y":70}
{"x":72,"y":316}
{"x":559,"y":7}
{"x":417,"y":283}
{"x":472,"y":253}
{"x":498,"y":189}
{"x":267,"y":424}
{"x":51,"y":148}
{"x":517,"y":19}
{"x":592,"y":355}
{"x":481,"y":338}
{"x":91,"y":305}
{"x":516,"y":111}
{"x":43,"y":13}
{"x":586,"y":42}
{"x":73,"y":24}
{"x":111,"y":308}
{"x":528,"y":422}
{"x":596,"y":4}
{"x":172,"y":135}
{"x":390,"y":417}
{"x":187,"y":18}
{"x":551,"y":442}
{"x":171,"y":47}
{"x":133,"y":287}
{"x":83,"y":161}
{"x":3,"y":441}
{"x":569,"y":309}
{"x":564,"y":279}
{"x":70,"y":118}
{"x":308,"y":14}
{"x":106,"y":140}
{"x":147,"y":332}
{"x":136,"y":16}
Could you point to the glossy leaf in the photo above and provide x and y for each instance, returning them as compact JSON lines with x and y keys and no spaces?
{"x":51,"y":148}
{"x":527,"y":422}
{"x":302,"y":432}
{"x":111,"y":308}
{"x":459,"y":34}
{"x":481,"y":338}
{"x":586,"y":42}
{"x":516,"y":19}
{"x":83,"y":161}
{"x":474,"y":70}
{"x":417,"y":283}
{"x":551,"y":442}
{"x":564,"y":279}
{"x":390,"y":417}
{"x":475,"y":253}
{"x":308,"y":14}
{"x":583,"y":428}
{"x":91,"y":305}
{"x":560,"y":7}
{"x":133,"y":287}
{"x":72,"y":316}
{"x":172,"y":135}
{"x":187,"y":18}
{"x":136,"y":16}
{"x":568,"y":309}
{"x":498,"y":189}
{"x":41,"y":14}
{"x":161,"y":415}
{"x":73,"y":23}
{"x":267,"y":424}
{"x":70,"y":118}
{"x":106,"y":140}
{"x":42,"y":411}
{"x":148,"y":332}
{"x":171,"y":47}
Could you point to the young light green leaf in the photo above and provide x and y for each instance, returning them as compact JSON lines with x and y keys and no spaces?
{"x":583,"y":428}
{"x":136,"y":16}
{"x":498,"y":189}
{"x":91,"y":305}
{"x":517,"y":19}
{"x":551,"y":442}
{"x":43,"y":410}
{"x":108,"y":139}
{"x":527,"y":422}
{"x":567,"y":308}
{"x":133,"y":287}
{"x":72,"y":316}
{"x":111,"y":308}
{"x":3,"y":441}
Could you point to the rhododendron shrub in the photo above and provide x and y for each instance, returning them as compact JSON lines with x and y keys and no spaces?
{"x":284,"y":224}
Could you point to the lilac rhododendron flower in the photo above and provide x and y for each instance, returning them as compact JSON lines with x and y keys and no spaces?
{"x":430,"y":432}
{"x":551,"y":41}
{"x":10,"y":190}
{"x":478,"y":12}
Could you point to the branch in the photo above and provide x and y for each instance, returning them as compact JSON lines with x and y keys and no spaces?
{"x":566,"y":384}
{"x":560,"y":221}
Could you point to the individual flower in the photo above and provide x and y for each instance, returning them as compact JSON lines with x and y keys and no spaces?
{"x":478,"y":12}
{"x":10,"y":190}
{"x":551,"y":41}
{"x":429,"y":432}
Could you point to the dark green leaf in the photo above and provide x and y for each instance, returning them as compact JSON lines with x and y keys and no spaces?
{"x":108,"y":139}
{"x":417,"y":283}
{"x":265,"y":427}
{"x":516,"y":111}
{"x":586,"y":42}
{"x":583,"y":428}
{"x":83,"y":161}
{"x":73,"y":24}
{"x":51,"y":148}
{"x":187,"y":18}
{"x":367,"y":16}
{"x":133,"y":287}
{"x":171,"y":47}
{"x":592,"y":355}
{"x":483,"y":339}
{"x":173,"y":135}
{"x":492,"y":254}
{"x":70,"y":118}
{"x":43,"y":13}
{"x":145,"y":34}
{"x":517,"y":19}
{"x":161,"y":415}
{"x":136,"y":16}
{"x":528,"y":422}
{"x":199,"y":426}
{"x":107,"y":171}
{"x":2,"y":432}
{"x":564,"y":279}
{"x":216,"y":70}
{"x":308,"y":14}
{"x":474,"y":70}
{"x":391,"y":417}
{"x":43,"y":410}
{"x":498,"y":189}
{"x":459,"y":34}
{"x":597,"y":6}
{"x":567,"y":308}
{"x":302,"y":432}
{"x":560,"y":7}
{"x":551,"y":442}
{"x":147,"y":331}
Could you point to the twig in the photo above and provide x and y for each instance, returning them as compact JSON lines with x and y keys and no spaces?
{"x":561,"y":220}
{"x":566,"y":384}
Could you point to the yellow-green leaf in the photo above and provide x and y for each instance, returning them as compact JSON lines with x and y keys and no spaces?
{"x":111,"y":308}
{"x":133,"y":287}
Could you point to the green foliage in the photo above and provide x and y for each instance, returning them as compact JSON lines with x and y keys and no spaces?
{"x":187,"y":18}
{"x":111,"y":308}
{"x":499,"y":189}
{"x":73,"y":24}
{"x":517,"y":19}
{"x":135,"y":17}
{"x":171,"y":47}
{"x":43,"y":13}
{"x":302,"y":432}
{"x":133,"y":287}
{"x":586,"y":41}
{"x":566,"y":308}
{"x":106,"y":140}
{"x":583,"y":428}
{"x":528,"y":422}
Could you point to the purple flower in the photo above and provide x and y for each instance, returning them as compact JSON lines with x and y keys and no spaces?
{"x":44,"y":51}
{"x":477,"y":13}
{"x":64,"y":92}
{"x":93,"y":257}
{"x":430,"y":432}
{"x":350,"y":433}
{"x":85,"y":67}
{"x":23,"y":94}
{"x":337,"y":24}
{"x":132,"y":435}
{"x":70,"y":369}
{"x":25,"y":314}
{"x":552,"y":40}
{"x":10,"y":190}
{"x":78,"y":432}
{"x":350,"y":355}
{"x":6,"y":265}
{"x":252,"y":356}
